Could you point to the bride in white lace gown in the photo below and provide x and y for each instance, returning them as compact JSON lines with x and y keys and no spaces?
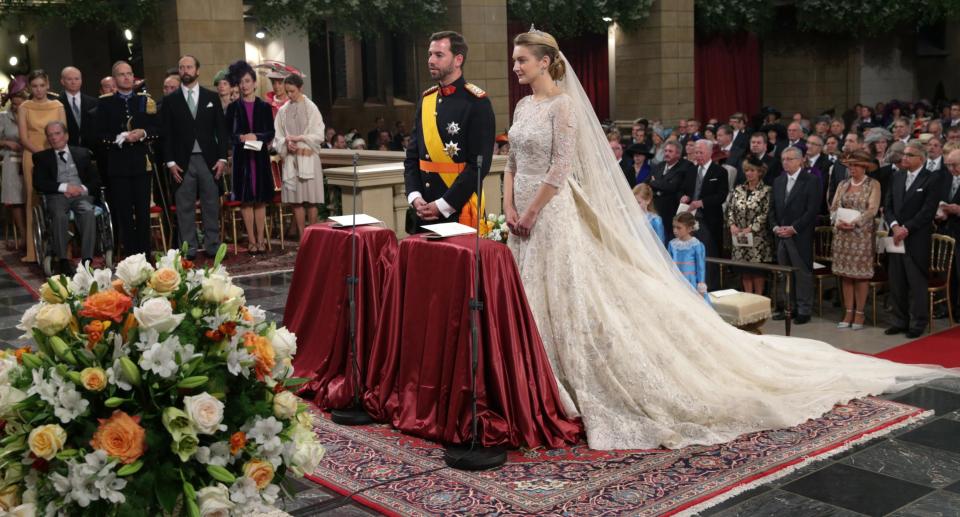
{"x":637,"y":354}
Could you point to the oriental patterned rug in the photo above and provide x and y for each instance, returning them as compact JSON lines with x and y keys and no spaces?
{"x":580,"y":481}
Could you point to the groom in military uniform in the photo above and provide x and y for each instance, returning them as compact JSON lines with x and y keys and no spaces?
{"x":453,"y":125}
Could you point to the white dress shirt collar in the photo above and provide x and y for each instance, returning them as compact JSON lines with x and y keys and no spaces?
{"x":195,"y":88}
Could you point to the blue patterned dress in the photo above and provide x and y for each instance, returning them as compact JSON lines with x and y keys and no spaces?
{"x":690,"y":256}
{"x":657,"y":223}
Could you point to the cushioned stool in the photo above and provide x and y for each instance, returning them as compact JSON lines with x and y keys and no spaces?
{"x":745,"y":311}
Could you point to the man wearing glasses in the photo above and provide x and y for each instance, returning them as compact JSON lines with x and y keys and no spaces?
{"x":948,"y":218}
{"x":909,"y":210}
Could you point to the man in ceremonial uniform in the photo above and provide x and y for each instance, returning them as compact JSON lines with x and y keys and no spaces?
{"x":126,"y":123}
{"x":454,"y":124}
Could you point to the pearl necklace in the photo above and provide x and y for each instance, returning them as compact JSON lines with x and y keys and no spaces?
{"x":855,"y":184}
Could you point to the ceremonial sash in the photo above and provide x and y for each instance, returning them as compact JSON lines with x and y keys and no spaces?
{"x":440,"y":162}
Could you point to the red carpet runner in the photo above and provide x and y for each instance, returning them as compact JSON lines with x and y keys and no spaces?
{"x":579,"y":481}
{"x":942,"y":348}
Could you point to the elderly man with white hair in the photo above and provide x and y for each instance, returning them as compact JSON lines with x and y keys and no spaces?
{"x":704,"y":191}
{"x":79,"y":108}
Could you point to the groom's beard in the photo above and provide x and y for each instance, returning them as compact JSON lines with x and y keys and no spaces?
{"x":442,"y":74}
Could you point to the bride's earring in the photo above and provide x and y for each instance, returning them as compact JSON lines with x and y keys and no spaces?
{"x":542,"y":70}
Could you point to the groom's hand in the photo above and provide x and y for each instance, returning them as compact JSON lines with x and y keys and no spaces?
{"x":428,"y":211}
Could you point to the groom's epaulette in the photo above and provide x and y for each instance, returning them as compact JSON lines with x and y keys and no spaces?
{"x":475,"y":90}
{"x":429,"y":90}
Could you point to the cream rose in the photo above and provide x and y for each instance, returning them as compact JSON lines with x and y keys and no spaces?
{"x":53,"y":317}
{"x":47,"y":440}
{"x":214,"y":501}
{"x":307,"y":451}
{"x":205,"y":412}
{"x":9,"y":497}
{"x":29,"y":320}
{"x":134,"y":270}
{"x":56,"y":293}
{"x":284,"y":343}
{"x":157,"y":314}
{"x":93,"y":378}
{"x":24,"y":510}
{"x":165,"y":280}
{"x":9,"y":396}
{"x":285,"y":405}
{"x":261,"y":472}
{"x":216,"y":288}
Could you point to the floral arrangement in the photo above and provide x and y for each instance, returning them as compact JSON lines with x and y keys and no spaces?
{"x":151,"y":390}
{"x":494,"y":227}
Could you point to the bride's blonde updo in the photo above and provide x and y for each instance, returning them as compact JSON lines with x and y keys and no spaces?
{"x":542,"y":44}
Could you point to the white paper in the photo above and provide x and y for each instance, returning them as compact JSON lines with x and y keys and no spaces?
{"x":724,"y":292}
{"x":347,"y":220}
{"x":684,"y":207}
{"x":890,"y":247}
{"x":940,"y":213}
{"x":450,"y":229}
{"x":817,"y":265}
{"x":743,"y":241}
{"x":253,"y":145}
{"x":848,"y":215}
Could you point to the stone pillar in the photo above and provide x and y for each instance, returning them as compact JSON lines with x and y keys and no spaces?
{"x":654,"y":66}
{"x":483,"y":24}
{"x":211,"y":30}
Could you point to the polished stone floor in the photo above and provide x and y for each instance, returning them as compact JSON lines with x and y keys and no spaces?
{"x":912,"y":472}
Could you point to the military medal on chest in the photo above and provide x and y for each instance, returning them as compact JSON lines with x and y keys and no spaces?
{"x":453,"y":128}
{"x":451,"y":148}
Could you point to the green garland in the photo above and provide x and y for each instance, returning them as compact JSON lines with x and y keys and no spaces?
{"x":369,"y":18}
{"x":564,"y":18}
{"x":121,"y":13}
{"x":745,"y":15}
{"x":871,"y":17}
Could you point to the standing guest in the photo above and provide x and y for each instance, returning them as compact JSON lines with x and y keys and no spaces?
{"x":935,"y":155}
{"x":107,"y":85}
{"x":831,"y":147}
{"x":667,"y":179}
{"x":689,"y":150}
{"x":171,"y":84}
{"x":935,"y":128}
{"x":250,"y":119}
{"x":852,"y":142}
{"x":299,"y":127}
{"x":838,"y":128}
{"x":795,"y":136}
{"x":126,"y":122}
{"x":224,"y":89}
{"x":877,"y":141}
{"x":854,"y":241}
{"x":66,"y":178}
{"x":379,"y":125}
{"x":339,"y":141}
{"x":953,"y":119}
{"x":921,"y":117}
{"x":901,"y":130}
{"x":884,"y":172}
{"x":948,"y":218}
{"x":358,"y":144}
{"x":639,"y":168}
{"x":278,"y":96}
{"x":704,"y":192}
{"x":953,"y":135}
{"x":328,"y":136}
{"x":688,"y":253}
{"x":79,"y":107}
{"x":741,"y":137}
{"x":616,"y":145}
{"x":747,"y":214}
{"x":32,"y":119}
{"x":793,"y":215}
{"x":776,"y":139}
{"x":644,"y":195}
{"x":195,"y":142}
{"x":657,"y":147}
{"x":821,"y":127}
{"x":909,"y":210}
{"x":758,"y":149}
{"x":11,"y":186}
{"x":727,"y":153}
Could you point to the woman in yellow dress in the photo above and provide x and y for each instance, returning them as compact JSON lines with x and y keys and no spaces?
{"x":34,"y":116}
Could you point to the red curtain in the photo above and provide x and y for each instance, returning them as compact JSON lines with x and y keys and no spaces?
{"x":587,"y":53}
{"x":726,"y":75}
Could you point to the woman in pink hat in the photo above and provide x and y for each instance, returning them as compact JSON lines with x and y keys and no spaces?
{"x":11,"y":183}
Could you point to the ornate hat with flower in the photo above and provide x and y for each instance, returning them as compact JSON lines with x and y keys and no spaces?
{"x":277,"y":69}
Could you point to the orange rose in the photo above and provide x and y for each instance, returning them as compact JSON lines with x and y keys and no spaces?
{"x":261,"y":472}
{"x":94,"y":331}
{"x":238,"y":440}
{"x":186,"y":264}
{"x":106,"y":305}
{"x":165,"y":280}
{"x":121,"y":436}
{"x":128,"y":325}
{"x":262,"y":350}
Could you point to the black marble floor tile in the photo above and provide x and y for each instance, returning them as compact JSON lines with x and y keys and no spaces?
{"x":778,"y":503}
{"x":909,"y":462}
{"x":10,"y":334}
{"x":947,"y":384}
{"x":274,"y":280}
{"x":937,"y":504}
{"x":255,"y":293}
{"x":7,"y":300}
{"x":942,"y":433}
{"x":721,"y":507}
{"x":857,"y":490}
{"x":9,"y":311}
{"x":928,"y":398}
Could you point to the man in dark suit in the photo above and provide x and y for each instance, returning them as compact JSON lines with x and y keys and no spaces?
{"x":667,"y":179}
{"x":64,"y":175}
{"x":758,"y":148}
{"x":126,"y":124}
{"x":793,"y":215}
{"x":741,"y":138}
{"x":819,"y":165}
{"x":909,"y":210}
{"x":731,"y":154}
{"x":705,"y":191}
{"x":948,"y":218}
{"x":195,"y":145}
{"x":462,"y":127}
{"x":79,"y":108}
{"x":795,"y":137}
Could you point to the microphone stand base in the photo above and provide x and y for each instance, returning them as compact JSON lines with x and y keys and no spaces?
{"x":351,"y":416}
{"x":462,"y":457}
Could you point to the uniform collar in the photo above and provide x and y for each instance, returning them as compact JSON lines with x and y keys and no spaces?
{"x":446,"y":91}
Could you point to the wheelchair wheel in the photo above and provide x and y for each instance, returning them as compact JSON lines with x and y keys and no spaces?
{"x":40,"y":239}
{"x":47,"y":264}
{"x":108,"y":258}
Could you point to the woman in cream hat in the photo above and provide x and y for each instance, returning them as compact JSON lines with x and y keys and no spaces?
{"x":11,"y":192}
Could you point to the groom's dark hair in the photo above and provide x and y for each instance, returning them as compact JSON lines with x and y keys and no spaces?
{"x":458,"y":45}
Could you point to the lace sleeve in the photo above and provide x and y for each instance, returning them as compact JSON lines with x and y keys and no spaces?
{"x":511,"y":166}
{"x":561,"y":159}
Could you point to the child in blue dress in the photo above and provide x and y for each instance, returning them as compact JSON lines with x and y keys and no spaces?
{"x":688,"y":253}
{"x":644,"y":195}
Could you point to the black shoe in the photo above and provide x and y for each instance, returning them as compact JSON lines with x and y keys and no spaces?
{"x":894,"y":330}
{"x":914,"y":333}
{"x":801,"y":319}
{"x":66,"y":268}
{"x":778,"y":316}
{"x":940,"y":313}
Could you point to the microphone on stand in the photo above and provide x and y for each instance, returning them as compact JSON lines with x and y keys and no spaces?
{"x":475,"y":456}
{"x":354,"y":414}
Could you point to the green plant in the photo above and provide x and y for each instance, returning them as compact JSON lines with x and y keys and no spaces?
{"x":352,"y":16}
{"x":755,"y":16}
{"x":122,"y":13}
{"x":565,"y":18}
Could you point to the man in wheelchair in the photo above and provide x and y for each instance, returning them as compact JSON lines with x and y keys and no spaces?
{"x":66,"y":178}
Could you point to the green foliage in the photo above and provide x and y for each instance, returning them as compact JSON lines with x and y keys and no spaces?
{"x":352,"y":16}
{"x":565,"y":18}
{"x":122,"y":13}
{"x":746,"y":15}
{"x":871,"y":17}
